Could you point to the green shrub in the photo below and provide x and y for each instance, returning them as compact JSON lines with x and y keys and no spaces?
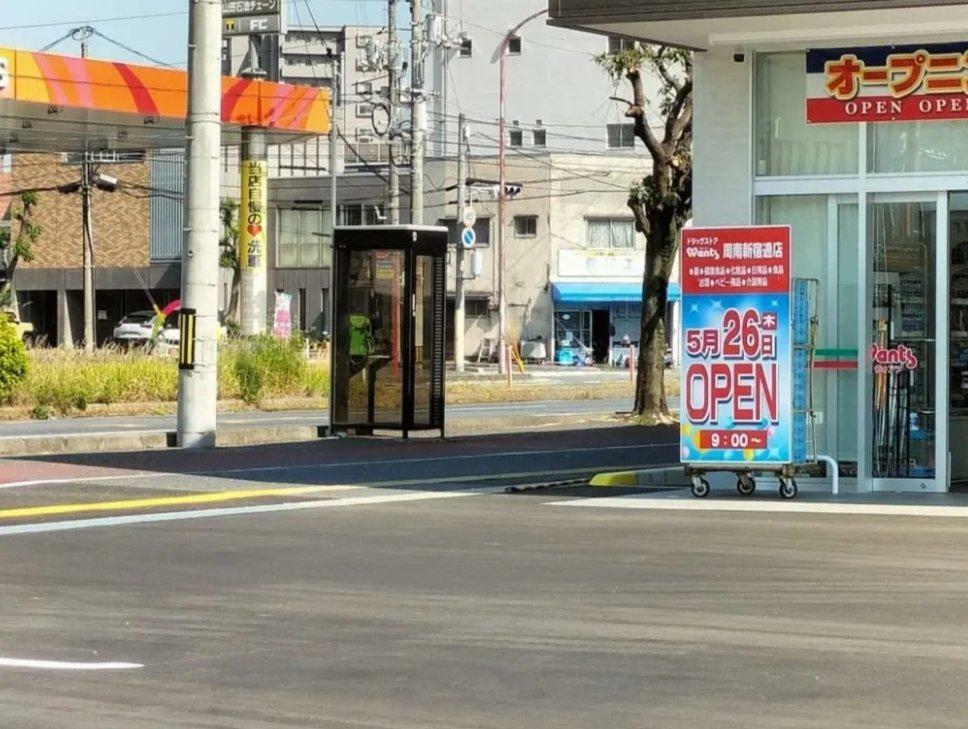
{"x":266,"y":366}
{"x":13,"y":361}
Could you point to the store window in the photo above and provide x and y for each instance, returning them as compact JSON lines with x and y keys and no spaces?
{"x":833,"y":262}
{"x":611,"y":233}
{"x":929,"y":146}
{"x":301,"y":243}
{"x":785,"y":144}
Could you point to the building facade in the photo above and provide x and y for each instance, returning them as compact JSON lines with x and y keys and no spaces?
{"x":848,"y":121}
{"x":574,"y":262}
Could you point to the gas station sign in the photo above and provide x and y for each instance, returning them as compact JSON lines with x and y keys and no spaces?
{"x":737,"y":368}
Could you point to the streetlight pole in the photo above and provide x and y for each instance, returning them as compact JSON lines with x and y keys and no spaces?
{"x":393,"y":84}
{"x":502,"y":304}
{"x":418,"y":113}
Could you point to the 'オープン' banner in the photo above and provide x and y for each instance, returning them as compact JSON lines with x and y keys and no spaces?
{"x":737,"y":352}
{"x":888,"y":83}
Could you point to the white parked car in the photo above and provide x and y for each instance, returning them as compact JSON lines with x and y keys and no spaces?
{"x":135,"y":328}
{"x":170,"y":335}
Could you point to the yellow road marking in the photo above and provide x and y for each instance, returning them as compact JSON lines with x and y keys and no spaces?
{"x":206,"y":498}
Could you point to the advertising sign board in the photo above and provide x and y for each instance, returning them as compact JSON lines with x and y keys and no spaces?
{"x":737,"y":366}
{"x":252,"y":25}
{"x":237,"y":8}
{"x":887,"y":83}
{"x":252,"y":214}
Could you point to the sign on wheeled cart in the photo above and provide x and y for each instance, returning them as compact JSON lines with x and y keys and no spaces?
{"x":748,"y":331}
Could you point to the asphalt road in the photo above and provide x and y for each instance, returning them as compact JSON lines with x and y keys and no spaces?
{"x":229,"y":421}
{"x":435,"y":600}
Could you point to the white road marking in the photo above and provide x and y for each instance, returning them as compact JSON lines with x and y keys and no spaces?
{"x":775,"y":507}
{"x":109,"y":521}
{"x":80,"y":479}
{"x":66,"y":665}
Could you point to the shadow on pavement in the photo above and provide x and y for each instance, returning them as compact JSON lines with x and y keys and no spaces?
{"x":534,"y":456}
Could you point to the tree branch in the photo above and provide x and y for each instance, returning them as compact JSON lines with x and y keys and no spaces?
{"x":680,"y":113}
{"x":664,"y":72}
{"x":637,"y":113}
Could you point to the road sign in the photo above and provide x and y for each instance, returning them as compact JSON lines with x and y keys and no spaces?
{"x":469,"y":217}
{"x":468,"y":238}
{"x":238,"y":8}
{"x":251,"y":25}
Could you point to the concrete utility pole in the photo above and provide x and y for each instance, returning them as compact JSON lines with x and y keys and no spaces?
{"x":418,"y":113}
{"x":459,"y":311}
{"x":393,"y":86}
{"x":198,"y":362}
{"x":253,"y":164}
{"x":87,"y":242}
{"x":502,"y":304}
{"x":334,"y":140}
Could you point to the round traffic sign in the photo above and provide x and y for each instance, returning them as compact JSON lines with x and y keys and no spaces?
{"x":468,"y":238}
{"x":469,"y":217}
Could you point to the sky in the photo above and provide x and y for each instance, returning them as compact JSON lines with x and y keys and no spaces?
{"x":156,"y":28}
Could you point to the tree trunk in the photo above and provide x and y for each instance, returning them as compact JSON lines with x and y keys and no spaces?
{"x":232,"y":312}
{"x":660,"y":251}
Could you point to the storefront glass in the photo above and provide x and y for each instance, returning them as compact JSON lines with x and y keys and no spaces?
{"x":958,"y":337}
{"x":903,"y":238}
{"x":785,"y":143}
{"x":825,"y":239}
{"x":929,"y":146}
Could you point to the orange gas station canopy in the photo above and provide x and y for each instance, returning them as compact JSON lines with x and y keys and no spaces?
{"x":52,"y":103}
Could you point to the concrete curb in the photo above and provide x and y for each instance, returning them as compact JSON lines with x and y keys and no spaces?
{"x":671,"y":476}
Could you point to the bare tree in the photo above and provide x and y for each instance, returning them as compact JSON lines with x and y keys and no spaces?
{"x":662,"y":201}
{"x":229,"y":255}
{"x":18,"y":247}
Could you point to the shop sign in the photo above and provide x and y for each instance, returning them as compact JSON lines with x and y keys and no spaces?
{"x":589,"y":262}
{"x":893,"y":360}
{"x":737,"y":384}
{"x":252,"y":215}
{"x":888,"y":83}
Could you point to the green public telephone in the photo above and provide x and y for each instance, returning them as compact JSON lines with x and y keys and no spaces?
{"x":361,"y":341}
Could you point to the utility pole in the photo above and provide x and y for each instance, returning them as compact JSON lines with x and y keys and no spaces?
{"x":502,"y":304}
{"x":253,"y":237}
{"x":198,"y":360}
{"x":418,"y":113}
{"x":393,"y":84}
{"x":87,"y":242}
{"x":333,"y":197}
{"x":459,"y":318}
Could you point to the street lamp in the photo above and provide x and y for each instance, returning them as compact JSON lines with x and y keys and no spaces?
{"x":502,"y":305}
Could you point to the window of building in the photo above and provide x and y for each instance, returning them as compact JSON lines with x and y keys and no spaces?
{"x":617,"y":45}
{"x":300,"y":239}
{"x":476,"y":308}
{"x":361,"y":214}
{"x":363,"y":40}
{"x":482,"y":227}
{"x":525,"y":226}
{"x":621,"y":136}
{"x":516,"y":137}
{"x":539,"y":137}
{"x":514,"y":45}
{"x":364,"y":111}
{"x":466,"y":47}
{"x":611,"y":233}
{"x":364,"y":88}
{"x":785,"y":143}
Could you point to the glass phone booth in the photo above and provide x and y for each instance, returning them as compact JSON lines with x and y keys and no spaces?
{"x":388,"y":345}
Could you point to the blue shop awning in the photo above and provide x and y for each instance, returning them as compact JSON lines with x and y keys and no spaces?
{"x":603,"y":292}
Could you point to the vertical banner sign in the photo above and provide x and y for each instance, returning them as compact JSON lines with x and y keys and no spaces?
{"x":252,"y":215}
{"x":887,"y":83}
{"x":737,"y":354}
{"x":282,"y":319}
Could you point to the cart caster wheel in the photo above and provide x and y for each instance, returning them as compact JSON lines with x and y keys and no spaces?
{"x":700,"y":488}
{"x":746,"y":486}
{"x":788,"y":489}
